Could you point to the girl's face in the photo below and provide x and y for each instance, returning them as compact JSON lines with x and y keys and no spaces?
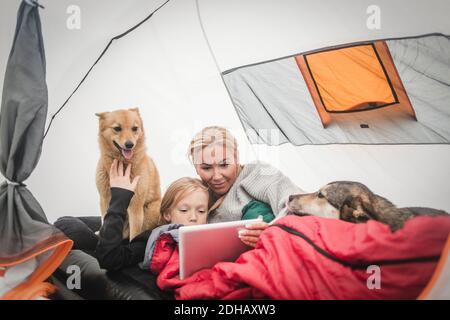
{"x":217,"y":166}
{"x":191,"y":209}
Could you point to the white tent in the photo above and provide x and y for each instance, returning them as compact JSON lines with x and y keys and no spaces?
{"x":168,"y":69}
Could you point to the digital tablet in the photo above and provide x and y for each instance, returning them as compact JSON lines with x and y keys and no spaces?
{"x":202,"y":246}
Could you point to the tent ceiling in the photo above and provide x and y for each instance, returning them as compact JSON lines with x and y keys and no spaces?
{"x":245,"y":32}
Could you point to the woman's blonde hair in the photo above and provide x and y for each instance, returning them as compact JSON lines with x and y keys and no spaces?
{"x":209,"y":136}
{"x":176,"y":191}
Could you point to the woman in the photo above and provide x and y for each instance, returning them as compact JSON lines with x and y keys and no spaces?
{"x":214,"y":154}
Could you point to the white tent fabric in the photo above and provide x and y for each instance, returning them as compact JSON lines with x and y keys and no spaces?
{"x":165,"y":68}
{"x":247,"y":32}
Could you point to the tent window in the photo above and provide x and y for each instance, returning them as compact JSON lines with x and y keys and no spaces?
{"x":351,"y":79}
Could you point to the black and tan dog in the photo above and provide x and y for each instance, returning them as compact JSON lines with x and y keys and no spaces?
{"x":354,"y":202}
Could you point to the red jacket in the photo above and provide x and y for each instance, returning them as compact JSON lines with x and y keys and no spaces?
{"x":316,"y":258}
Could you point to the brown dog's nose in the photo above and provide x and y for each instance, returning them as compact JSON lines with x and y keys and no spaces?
{"x":129,"y":144}
{"x":291,"y":197}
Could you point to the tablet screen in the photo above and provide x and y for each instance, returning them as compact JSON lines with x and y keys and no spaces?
{"x":202,"y":246}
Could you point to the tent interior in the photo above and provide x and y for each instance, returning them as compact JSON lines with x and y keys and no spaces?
{"x":174,"y":68}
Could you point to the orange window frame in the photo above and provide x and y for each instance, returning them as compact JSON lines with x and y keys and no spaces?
{"x":394,"y":92}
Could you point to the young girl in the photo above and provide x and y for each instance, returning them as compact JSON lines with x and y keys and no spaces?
{"x":185,"y":202}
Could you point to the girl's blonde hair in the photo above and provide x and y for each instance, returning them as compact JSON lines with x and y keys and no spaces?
{"x":176,"y":191}
{"x":209,"y":136}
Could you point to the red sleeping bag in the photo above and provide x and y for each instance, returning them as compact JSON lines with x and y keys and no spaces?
{"x":316,"y":258}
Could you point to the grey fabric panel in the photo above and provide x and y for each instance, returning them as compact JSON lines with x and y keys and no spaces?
{"x":264,"y":96}
{"x":24,"y":99}
{"x":424,"y":66}
{"x":23,"y":224}
{"x":275,"y":106}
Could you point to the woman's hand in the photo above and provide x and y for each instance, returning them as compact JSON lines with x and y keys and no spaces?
{"x":119,"y":179}
{"x":250,"y":235}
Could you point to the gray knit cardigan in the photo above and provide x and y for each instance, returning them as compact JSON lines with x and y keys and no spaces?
{"x":256,"y":181}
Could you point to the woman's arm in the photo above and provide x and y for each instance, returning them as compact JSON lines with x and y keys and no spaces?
{"x":269,"y":185}
{"x":111,"y":252}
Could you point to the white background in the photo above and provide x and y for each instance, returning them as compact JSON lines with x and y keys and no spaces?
{"x":165,"y":68}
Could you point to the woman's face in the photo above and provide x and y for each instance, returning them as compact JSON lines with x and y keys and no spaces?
{"x":217,"y":166}
{"x":191,"y":209}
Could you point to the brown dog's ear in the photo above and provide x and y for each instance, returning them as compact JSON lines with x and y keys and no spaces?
{"x":359,"y":213}
{"x":135,"y":110}
{"x":364,"y":209}
{"x":354,"y":210}
{"x":101,"y":115}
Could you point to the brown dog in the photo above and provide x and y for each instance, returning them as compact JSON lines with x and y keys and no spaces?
{"x":122,"y":137}
{"x":354,"y":202}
